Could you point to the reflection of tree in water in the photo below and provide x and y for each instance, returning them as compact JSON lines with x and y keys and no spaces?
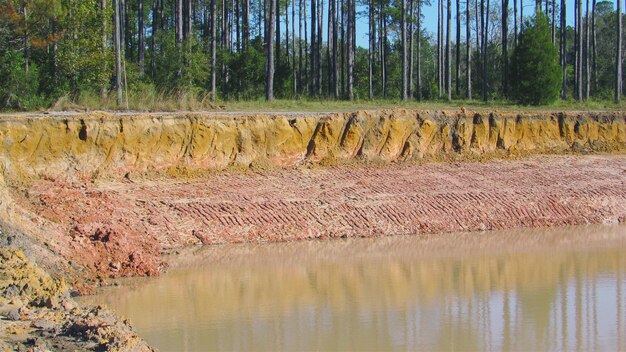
{"x":327,"y":297}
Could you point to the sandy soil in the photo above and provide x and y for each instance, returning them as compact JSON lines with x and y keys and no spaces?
{"x":38,"y":314}
{"x":120,"y":228}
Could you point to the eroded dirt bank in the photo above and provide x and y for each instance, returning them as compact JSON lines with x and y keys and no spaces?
{"x":104,"y":196}
{"x":103,"y":145}
{"x":38,"y":314}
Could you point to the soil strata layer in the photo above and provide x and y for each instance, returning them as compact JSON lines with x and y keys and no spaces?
{"x":102,"y":195}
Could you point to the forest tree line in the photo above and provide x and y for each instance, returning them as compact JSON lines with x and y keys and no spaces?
{"x":243,"y":49}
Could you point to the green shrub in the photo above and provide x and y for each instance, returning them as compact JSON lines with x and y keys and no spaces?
{"x":535,"y":71}
{"x":18,"y":86}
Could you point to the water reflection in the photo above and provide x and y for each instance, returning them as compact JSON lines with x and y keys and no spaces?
{"x":557,"y":289}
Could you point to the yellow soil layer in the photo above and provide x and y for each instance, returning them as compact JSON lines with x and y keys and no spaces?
{"x":105,"y":145}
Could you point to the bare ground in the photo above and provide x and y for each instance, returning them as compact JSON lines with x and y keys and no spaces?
{"x":120,"y":228}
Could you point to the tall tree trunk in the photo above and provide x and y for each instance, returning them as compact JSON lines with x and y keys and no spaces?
{"x":411,"y":46}
{"x":478,"y":31}
{"x":563,"y":50}
{"x":155,"y":29}
{"x":103,"y":44}
{"x":124,"y":27}
{"x":205,"y":29}
{"x":385,"y":55}
{"x":300,"y":25}
{"x":468,"y":51}
{"x":305,"y":86}
{"x":223,"y":36}
{"x":313,"y":80}
{"x":351,"y":31}
{"x":458,"y":49}
{"x":329,"y":46}
{"x":537,"y":6}
{"x":335,"y":50}
{"x":269,"y":56}
{"x":26,"y":40}
{"x":587,"y":54}
{"x":286,"y":30}
{"x":294,"y":78}
{"x":579,"y":45}
{"x":482,"y":48}
{"x":246,"y":24}
{"x":418,"y":86}
{"x":576,"y":74}
{"x":231,"y":27}
{"x":343,"y":48}
{"x":189,"y":19}
{"x":142,"y":44}
{"x":515,"y":30}
{"x":370,"y":56}
{"x":505,"y":47}
{"x":179,"y":33}
{"x":593,"y":44}
{"x":618,"y":55}
{"x":118,"y":51}
{"x":184,"y":9}
{"x":439,"y":44}
{"x":261,"y":21}
{"x":448,"y":52}
{"x":521,"y":15}
{"x":485,"y":54}
{"x":213,"y":49}
{"x":320,"y":16}
{"x":554,"y":22}
{"x":277,"y":13}
{"x":238,"y":14}
{"x":404,"y":51}
{"x":224,"y":41}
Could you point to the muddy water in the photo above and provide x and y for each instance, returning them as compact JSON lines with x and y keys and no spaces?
{"x":556,"y":289}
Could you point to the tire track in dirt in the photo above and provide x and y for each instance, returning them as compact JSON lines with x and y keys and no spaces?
{"x":283,"y":205}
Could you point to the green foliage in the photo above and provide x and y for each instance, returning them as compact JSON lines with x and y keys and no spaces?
{"x":535,"y":71}
{"x":68,"y":47}
{"x":247,"y":74}
{"x":18,"y":87}
{"x":81,"y":59}
{"x":180,"y":66}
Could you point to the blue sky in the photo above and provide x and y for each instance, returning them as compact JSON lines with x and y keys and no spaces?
{"x":430,"y":17}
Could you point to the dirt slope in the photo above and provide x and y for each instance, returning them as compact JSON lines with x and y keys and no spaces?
{"x":102,"y":195}
{"x":98,"y":144}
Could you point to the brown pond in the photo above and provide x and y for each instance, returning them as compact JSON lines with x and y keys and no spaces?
{"x":534,"y":289}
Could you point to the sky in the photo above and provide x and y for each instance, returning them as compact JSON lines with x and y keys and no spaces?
{"x":430,"y":17}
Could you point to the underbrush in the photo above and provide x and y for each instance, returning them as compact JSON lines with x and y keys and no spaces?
{"x":147,"y":98}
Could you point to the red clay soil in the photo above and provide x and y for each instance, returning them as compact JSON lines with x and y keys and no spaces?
{"x":120,"y":228}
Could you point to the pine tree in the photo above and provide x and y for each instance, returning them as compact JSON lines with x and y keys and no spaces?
{"x":141,"y":44}
{"x":458,"y":49}
{"x":618,"y":55}
{"x":269,"y":45}
{"x":118,"y":51}
{"x":505,"y":47}
{"x":536,"y":77}
{"x":468,"y":50}
{"x":404,"y":51}
{"x":563,"y":51}
{"x":448,"y":69}
{"x":213,"y":22}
